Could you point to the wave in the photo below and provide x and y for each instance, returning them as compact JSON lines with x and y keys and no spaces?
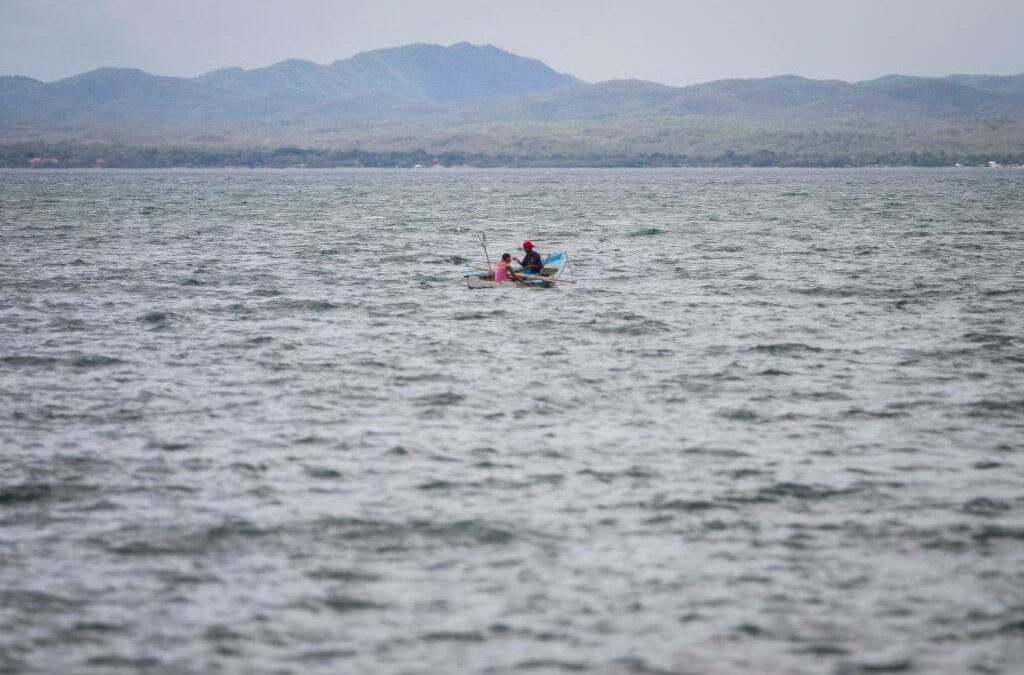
{"x":445,"y":398}
{"x":786,"y":348}
{"x":158,"y":320}
{"x":94,"y":361}
{"x":788,"y":490}
{"x":302,"y":305}
{"x":1009,"y":408}
{"x":82,"y":361}
{"x":29,"y":360}
{"x":631,"y":324}
{"x":30,"y":493}
{"x":469,"y":532}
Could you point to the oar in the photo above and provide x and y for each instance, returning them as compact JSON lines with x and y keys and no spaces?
{"x":520,"y":275}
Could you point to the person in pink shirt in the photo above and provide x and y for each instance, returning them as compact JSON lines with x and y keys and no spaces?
{"x":501,"y":269}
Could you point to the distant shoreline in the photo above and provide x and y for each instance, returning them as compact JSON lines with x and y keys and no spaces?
{"x":57,"y":155}
{"x":874,"y":167}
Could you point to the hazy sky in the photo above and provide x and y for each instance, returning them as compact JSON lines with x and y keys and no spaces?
{"x":676,"y":42}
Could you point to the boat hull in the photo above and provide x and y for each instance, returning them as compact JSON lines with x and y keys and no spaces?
{"x":486,"y":281}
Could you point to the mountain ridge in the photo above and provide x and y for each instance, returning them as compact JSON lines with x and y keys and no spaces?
{"x":481,"y":99}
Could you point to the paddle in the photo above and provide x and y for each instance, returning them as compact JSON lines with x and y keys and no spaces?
{"x":520,"y":275}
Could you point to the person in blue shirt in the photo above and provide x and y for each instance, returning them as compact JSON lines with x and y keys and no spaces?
{"x":531,"y":262}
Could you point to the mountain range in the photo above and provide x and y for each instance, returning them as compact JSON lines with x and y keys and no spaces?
{"x":472,"y":100}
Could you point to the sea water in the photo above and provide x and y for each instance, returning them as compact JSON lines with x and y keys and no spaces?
{"x":254,"y":422}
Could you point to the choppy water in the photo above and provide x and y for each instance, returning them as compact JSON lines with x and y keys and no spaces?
{"x":253,"y":422}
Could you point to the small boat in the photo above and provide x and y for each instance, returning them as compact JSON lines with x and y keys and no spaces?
{"x":553,"y":266}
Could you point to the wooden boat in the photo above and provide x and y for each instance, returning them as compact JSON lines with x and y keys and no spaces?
{"x":553,"y":266}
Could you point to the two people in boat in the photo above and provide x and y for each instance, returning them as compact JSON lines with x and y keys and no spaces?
{"x":531,"y":264}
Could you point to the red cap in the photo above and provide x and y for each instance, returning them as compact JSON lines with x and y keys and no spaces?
{"x":527,"y":244}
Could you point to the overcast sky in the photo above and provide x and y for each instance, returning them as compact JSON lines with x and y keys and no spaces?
{"x":676,"y":42}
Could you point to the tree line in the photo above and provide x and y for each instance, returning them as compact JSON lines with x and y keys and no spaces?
{"x":70,"y":155}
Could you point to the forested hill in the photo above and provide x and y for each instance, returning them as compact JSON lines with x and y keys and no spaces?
{"x":469,"y":100}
